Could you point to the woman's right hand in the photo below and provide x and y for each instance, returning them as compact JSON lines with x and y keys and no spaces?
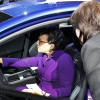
{"x":1,"y":60}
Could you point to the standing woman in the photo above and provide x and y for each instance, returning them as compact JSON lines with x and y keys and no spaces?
{"x":86,"y":20}
{"x":55,"y":67}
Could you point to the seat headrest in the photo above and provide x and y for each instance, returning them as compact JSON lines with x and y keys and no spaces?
{"x":33,"y":50}
{"x":75,"y":54}
{"x":71,"y":50}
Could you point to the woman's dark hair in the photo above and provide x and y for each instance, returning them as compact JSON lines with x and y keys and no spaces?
{"x":55,"y":36}
{"x":86,"y":18}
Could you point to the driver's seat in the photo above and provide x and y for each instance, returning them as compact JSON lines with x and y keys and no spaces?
{"x":33,"y":50}
{"x":79,"y":86}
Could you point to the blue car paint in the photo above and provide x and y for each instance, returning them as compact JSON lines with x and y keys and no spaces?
{"x":19,"y":8}
{"x":28,"y":13}
{"x":19,"y":26}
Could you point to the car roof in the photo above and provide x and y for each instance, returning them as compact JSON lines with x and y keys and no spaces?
{"x":24,"y":7}
{"x":24,"y":13}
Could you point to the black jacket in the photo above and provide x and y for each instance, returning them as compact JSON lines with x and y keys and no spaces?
{"x":90,"y":54}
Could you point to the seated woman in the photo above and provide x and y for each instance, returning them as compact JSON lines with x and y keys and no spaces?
{"x":55,"y":67}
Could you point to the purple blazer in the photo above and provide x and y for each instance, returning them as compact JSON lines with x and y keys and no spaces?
{"x":56,"y":73}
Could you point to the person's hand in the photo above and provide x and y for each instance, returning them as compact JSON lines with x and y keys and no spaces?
{"x":1,"y":60}
{"x":42,"y":93}
{"x":33,"y":91}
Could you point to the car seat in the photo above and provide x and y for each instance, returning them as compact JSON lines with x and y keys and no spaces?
{"x":33,"y":50}
{"x":79,"y":85}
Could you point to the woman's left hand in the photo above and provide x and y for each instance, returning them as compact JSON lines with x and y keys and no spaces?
{"x":33,"y":91}
{"x":36,"y":90}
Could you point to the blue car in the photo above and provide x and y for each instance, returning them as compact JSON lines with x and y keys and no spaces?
{"x":20,"y":24}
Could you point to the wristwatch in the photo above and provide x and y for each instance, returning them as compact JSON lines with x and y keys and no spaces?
{"x":44,"y":93}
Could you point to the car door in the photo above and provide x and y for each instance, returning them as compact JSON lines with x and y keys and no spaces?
{"x":9,"y":94}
